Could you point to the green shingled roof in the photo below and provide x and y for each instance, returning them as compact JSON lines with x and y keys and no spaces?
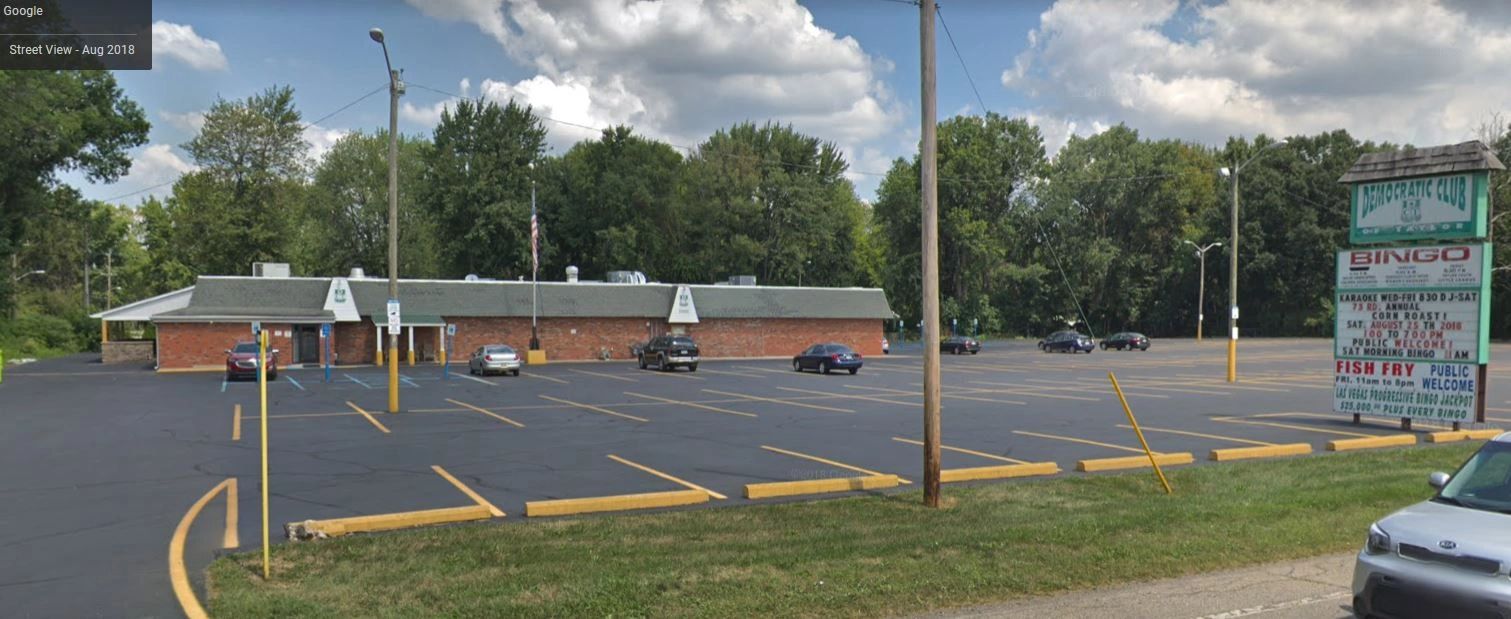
{"x":270,"y":298}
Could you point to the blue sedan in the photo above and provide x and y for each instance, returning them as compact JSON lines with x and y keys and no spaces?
{"x":827,"y":358}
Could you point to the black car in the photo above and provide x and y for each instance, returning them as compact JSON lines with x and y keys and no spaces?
{"x":826,"y":358}
{"x":1067,"y":341}
{"x":1126,"y":341}
{"x":667,"y":352}
{"x":959,"y":344}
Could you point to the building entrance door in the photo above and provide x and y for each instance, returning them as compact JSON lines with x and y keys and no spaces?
{"x":307,"y":343}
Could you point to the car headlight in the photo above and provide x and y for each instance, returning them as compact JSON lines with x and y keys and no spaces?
{"x":1378,"y":541}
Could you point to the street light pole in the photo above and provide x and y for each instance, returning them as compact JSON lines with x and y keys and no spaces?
{"x":1201,"y":285}
{"x":534,"y":266}
{"x":395,"y":88}
{"x":1233,"y":264}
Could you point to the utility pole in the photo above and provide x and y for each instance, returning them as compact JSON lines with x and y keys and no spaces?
{"x":1201,"y":285}
{"x":395,"y":88}
{"x":929,"y":160}
{"x":109,"y":273}
{"x":1233,"y":286}
{"x":86,"y":267}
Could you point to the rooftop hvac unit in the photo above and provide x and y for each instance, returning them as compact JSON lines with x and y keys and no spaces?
{"x":626,"y":277}
{"x":742,"y":280}
{"x":270,"y":269}
{"x":357,"y":273}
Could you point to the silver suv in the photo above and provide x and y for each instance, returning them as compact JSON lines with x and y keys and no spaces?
{"x":1448,"y":556}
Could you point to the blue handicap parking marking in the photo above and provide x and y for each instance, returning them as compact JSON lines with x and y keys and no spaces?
{"x":296,"y":383}
{"x":354,"y":379}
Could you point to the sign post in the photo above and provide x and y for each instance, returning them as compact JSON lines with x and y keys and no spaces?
{"x":445,"y":349}
{"x":1412,"y":337}
{"x":393,"y":355}
{"x":325,"y":339}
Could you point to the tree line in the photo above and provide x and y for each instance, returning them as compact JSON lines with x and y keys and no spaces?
{"x":1091,"y":237}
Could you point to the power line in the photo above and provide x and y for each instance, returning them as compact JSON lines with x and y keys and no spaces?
{"x":968,"y":78}
{"x":301,"y":129}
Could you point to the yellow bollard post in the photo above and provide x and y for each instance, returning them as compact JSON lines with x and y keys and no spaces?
{"x":1233,"y":358}
{"x":1140,"y":433}
{"x":393,"y":380}
{"x":262,"y":387}
{"x":411,"y":346}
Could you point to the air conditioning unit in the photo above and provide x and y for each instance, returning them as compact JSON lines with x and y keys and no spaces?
{"x":270,"y":269}
{"x":742,"y":280}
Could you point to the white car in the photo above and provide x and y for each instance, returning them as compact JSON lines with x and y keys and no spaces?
{"x":1448,"y":556}
{"x":494,"y":358}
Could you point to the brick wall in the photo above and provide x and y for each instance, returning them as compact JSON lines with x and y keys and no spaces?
{"x":203,"y":344}
{"x":185,"y":345}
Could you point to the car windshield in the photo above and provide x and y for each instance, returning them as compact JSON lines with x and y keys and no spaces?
{"x":245,"y":348}
{"x":1484,"y":482}
{"x":840,"y":349}
{"x":680,"y":341}
{"x":500,"y":350}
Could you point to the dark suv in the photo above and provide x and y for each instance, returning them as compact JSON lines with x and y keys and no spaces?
{"x":1066,"y":341}
{"x":667,"y":352}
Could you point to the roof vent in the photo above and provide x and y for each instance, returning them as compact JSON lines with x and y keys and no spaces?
{"x":357,"y":273}
{"x":270,"y":269}
{"x":471,"y":277}
{"x":571,"y":274}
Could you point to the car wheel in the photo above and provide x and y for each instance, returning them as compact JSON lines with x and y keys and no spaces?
{"x":515,"y":373}
{"x":853,"y":371}
{"x":823,"y":367}
{"x":1104,"y":345}
{"x":661,"y":363}
{"x":796,"y":367}
{"x":692,"y":368}
{"x":641,"y":358}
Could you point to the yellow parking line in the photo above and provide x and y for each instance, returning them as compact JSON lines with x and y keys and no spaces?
{"x":676,"y":480}
{"x":674,"y":374}
{"x":236,"y":423}
{"x":881,"y":368}
{"x":232,"y":536}
{"x":601,"y":374}
{"x":596,"y":409}
{"x":544,"y":377}
{"x":369,"y":417}
{"x":692,"y":404}
{"x":962,"y":450}
{"x":947,"y":395}
{"x":476,"y":498}
{"x":1081,"y":440}
{"x":1028,"y":391}
{"x":774,"y":400}
{"x":487,"y":412}
{"x":1200,"y":435}
{"x":178,"y":574}
{"x":1290,"y":426}
{"x":829,"y":462}
{"x":847,"y":396}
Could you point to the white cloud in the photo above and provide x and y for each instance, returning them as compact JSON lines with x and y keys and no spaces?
{"x":680,"y":69}
{"x":188,"y":122}
{"x":321,"y":140}
{"x":182,"y":43}
{"x":1398,"y":70}
{"x":156,"y":164}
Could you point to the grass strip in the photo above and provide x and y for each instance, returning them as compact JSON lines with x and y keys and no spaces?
{"x":862,"y":556}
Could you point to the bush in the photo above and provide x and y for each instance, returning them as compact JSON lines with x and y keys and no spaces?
{"x":39,"y":335}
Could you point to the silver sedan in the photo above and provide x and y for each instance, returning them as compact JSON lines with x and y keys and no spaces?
{"x":492,"y":358}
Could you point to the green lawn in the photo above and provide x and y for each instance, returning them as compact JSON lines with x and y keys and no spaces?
{"x":866,"y":556}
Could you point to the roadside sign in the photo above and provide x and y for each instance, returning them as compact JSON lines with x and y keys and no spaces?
{"x":393,"y":316}
{"x":1449,"y":206}
{"x":1410,"y":337}
{"x":325,"y":330}
{"x":450,"y":328}
{"x":256,"y":330}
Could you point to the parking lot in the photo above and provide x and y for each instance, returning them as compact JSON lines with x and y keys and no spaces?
{"x":108,"y":459}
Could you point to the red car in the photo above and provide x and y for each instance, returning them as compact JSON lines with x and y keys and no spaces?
{"x":241,"y":362}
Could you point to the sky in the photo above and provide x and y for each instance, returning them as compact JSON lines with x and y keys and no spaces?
{"x":1422,"y":72}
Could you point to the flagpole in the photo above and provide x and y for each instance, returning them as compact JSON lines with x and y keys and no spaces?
{"x":534,"y":266}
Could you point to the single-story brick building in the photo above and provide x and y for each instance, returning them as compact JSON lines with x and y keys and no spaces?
{"x":577,"y":320}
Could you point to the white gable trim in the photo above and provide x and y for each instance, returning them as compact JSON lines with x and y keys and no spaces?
{"x":340,"y":302}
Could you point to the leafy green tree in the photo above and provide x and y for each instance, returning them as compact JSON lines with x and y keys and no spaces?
{"x":346,"y":218}
{"x":477,"y":187}
{"x":56,"y":121}
{"x":240,"y":206}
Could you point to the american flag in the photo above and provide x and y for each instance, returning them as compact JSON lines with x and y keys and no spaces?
{"x":534,"y":241}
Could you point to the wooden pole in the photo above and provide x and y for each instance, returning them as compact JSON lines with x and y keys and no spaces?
{"x":928,"y":162}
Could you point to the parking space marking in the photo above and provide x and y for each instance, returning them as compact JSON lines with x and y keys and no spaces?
{"x":829,"y":462}
{"x":963,"y":450}
{"x":692,"y":404}
{"x":476,"y":498}
{"x":728,"y":373}
{"x":405,"y":379}
{"x":294,"y":382}
{"x":883,"y":368}
{"x":1071,"y":439}
{"x":596,"y":409}
{"x":847,"y":396}
{"x":222,"y":385}
{"x":354,"y":379}
{"x":676,"y":374}
{"x":1042,"y":383}
{"x":603,"y":375}
{"x":544,"y":377}
{"x":469,"y":376}
{"x":1290,"y":426}
{"x":776,"y":401}
{"x":236,"y":423}
{"x":947,"y":395}
{"x":487,"y":412}
{"x":1029,"y":390}
{"x":1200,"y":435}
{"x":370,"y":418}
{"x":676,"y":480}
